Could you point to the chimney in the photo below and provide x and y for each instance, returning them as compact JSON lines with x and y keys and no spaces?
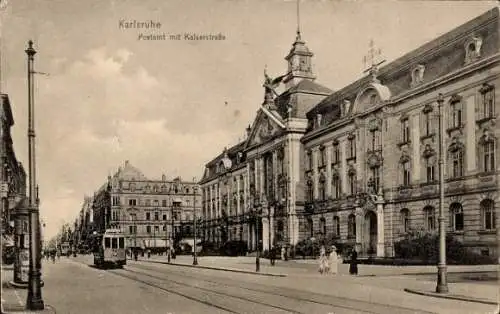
{"x":163,"y":177}
{"x":319,"y":117}
{"x":344,"y":107}
{"x":249,"y":129}
{"x":126,"y":163}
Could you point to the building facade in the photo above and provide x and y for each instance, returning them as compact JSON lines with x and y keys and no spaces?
{"x":253,"y":191}
{"x":372,"y":147}
{"x":360,"y":165}
{"x":12,"y":183}
{"x":149,"y":212}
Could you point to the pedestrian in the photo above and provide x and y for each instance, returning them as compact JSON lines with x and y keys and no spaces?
{"x":272,"y":255}
{"x":322,"y":260}
{"x":136,"y":253}
{"x":353,"y":264}
{"x":149,"y":253}
{"x":333,"y":261}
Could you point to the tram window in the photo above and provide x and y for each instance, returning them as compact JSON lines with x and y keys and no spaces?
{"x":107,"y":242}
{"x":121,"y":243}
{"x":114,"y":243}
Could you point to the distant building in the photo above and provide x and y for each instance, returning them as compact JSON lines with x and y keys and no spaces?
{"x":148,"y":211}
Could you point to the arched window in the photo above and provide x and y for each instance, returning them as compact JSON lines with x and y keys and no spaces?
{"x":310,"y":226}
{"x":336,"y":226}
{"x":351,"y":226}
{"x":322,"y":226}
{"x":488,"y":214}
{"x":430,"y":218}
{"x":405,"y":219}
{"x":351,"y":177}
{"x":457,"y":217}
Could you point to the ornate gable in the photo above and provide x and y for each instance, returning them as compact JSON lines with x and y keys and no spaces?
{"x":265,"y":128}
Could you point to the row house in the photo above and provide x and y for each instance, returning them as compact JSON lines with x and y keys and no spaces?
{"x":372,"y":147}
{"x":149,"y":212}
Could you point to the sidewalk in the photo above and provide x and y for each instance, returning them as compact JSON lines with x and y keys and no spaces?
{"x":414,"y":279}
{"x":14,"y":299}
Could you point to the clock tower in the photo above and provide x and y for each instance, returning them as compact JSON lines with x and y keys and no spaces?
{"x":299,"y":63}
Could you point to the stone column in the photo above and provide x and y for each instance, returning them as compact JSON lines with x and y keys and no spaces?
{"x":343,"y":166}
{"x":415,"y":143}
{"x":314,"y":156}
{"x":470,"y":140}
{"x":380,"y":230}
{"x":359,"y":230}
{"x":328,"y":187}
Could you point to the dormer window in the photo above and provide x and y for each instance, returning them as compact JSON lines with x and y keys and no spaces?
{"x":417,"y":75}
{"x":473,"y":49}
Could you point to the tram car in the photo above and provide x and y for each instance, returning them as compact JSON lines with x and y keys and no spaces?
{"x":109,"y":249}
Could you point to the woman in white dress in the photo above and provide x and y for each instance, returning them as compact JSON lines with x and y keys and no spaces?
{"x":333,"y":261}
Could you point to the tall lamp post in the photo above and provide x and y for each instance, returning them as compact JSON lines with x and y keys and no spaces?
{"x":34,"y":300}
{"x":195,"y":189}
{"x":442,"y":285}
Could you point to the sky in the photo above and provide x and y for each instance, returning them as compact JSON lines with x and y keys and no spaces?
{"x":169,"y":106}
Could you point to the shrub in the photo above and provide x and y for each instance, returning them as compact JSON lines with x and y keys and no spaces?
{"x":425,"y":247}
{"x":234,"y":248}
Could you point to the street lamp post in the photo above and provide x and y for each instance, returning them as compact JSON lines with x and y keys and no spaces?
{"x":195,"y":189}
{"x":34,"y":300}
{"x":442,"y":285}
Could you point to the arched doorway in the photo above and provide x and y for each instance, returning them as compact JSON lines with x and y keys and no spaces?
{"x":370,"y":238}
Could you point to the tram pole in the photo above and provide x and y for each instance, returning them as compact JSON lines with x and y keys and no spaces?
{"x":34,"y":299}
{"x":195,"y":188}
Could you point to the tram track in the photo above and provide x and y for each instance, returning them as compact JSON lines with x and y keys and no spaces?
{"x":304,"y":296}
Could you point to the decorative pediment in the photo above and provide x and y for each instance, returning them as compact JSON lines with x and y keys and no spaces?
{"x":428,"y":151}
{"x":486,"y":88}
{"x":266,"y":127}
{"x":486,"y":137}
{"x":455,"y":98}
{"x":374,"y":161}
{"x":375,"y":124}
{"x":405,"y":157}
{"x":473,"y":49}
{"x":427,"y":108}
{"x":374,"y":93}
{"x":351,"y":171}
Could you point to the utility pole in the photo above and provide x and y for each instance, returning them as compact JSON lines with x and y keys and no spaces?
{"x":34,"y":300}
{"x":442,"y":285}
{"x":195,"y":188}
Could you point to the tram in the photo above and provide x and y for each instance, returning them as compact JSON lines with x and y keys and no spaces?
{"x":109,"y":249}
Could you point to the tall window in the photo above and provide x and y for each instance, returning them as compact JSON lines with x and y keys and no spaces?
{"x":405,"y":219}
{"x":456,"y":114}
{"x":427,"y":121}
{"x":488,"y":214}
{"x":148,"y":216}
{"x":309,"y":160}
{"x":430,"y":168}
{"x":322,"y":189}
{"x":336,"y":186}
{"x":156,"y":216}
{"x":405,"y":130}
{"x":336,"y":226}
{"x":406,"y":173}
{"x":457,"y":217}
{"x":157,"y":229}
{"x":457,"y":163}
{"x":148,"y":229}
{"x":351,"y":226}
{"x":322,"y":226}
{"x":487,"y":103}
{"x":351,"y":146}
{"x":310,"y":194}
{"x":352,"y":183}
{"x":164,"y":203}
{"x":335,"y":153}
{"x":310,"y":227}
{"x":132,"y":202}
{"x":322,"y":157}
{"x":488,"y":150}
{"x":430,"y":218}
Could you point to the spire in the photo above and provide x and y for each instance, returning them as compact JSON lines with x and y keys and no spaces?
{"x":298,"y":38}
{"x":370,"y":60}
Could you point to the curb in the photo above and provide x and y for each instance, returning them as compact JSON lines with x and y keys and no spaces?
{"x":22,"y":285}
{"x":218,"y":268}
{"x":450,"y":296}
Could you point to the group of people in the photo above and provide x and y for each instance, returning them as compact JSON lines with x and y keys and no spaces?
{"x":328,"y":264}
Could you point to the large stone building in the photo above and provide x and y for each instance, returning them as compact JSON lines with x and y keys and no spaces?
{"x":361,"y":167}
{"x":253,"y":191}
{"x":148,"y":211}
